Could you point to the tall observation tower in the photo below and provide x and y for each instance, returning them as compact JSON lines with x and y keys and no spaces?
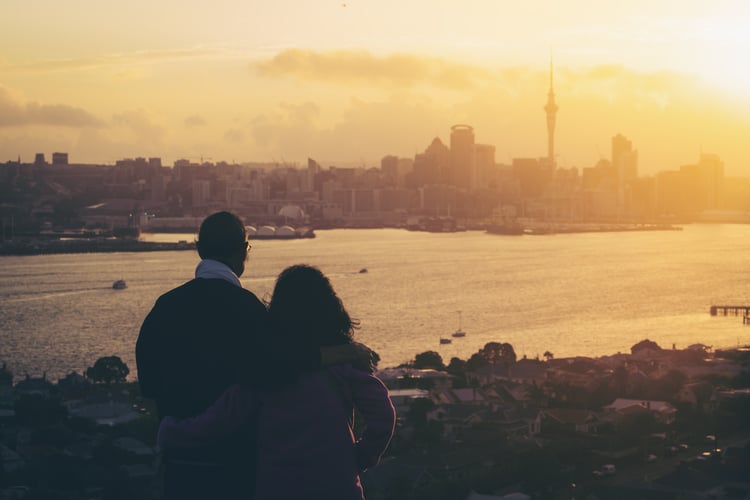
{"x":551,"y":109}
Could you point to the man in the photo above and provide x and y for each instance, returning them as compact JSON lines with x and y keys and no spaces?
{"x":199,"y":339}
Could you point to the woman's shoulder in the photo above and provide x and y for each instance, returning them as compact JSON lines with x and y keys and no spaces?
{"x":348,"y":372}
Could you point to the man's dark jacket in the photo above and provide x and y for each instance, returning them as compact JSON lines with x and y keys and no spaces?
{"x":201,"y":338}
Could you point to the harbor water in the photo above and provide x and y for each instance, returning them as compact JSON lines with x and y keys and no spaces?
{"x":585,"y":294}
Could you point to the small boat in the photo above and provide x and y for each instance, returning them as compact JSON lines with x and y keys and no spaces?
{"x":459,"y":332}
{"x":119,"y":285}
{"x":445,"y":341}
{"x":363,"y":270}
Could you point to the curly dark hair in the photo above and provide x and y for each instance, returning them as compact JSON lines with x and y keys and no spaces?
{"x":305,"y":308}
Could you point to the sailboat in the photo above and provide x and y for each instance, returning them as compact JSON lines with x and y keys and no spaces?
{"x":459,"y":332}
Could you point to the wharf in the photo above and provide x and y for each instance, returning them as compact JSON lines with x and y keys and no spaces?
{"x":727,"y":310}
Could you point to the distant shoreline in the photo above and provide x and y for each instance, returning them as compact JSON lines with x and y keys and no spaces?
{"x":588,"y":227}
{"x":28,"y":246}
{"x":46,"y":246}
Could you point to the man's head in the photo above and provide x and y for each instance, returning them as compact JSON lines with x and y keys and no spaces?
{"x":222,"y":237}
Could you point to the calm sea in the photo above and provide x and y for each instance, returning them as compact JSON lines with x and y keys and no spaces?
{"x":572,"y":294}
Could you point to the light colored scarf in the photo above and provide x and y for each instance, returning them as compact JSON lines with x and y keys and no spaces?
{"x":213,"y":269}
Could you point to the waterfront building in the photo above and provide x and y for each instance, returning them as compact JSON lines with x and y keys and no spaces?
{"x":201,"y":193}
{"x":438,"y":199}
{"x":461,"y":172}
{"x":484,"y":161}
{"x":392,"y":199}
{"x":692,"y":189}
{"x":59,"y":158}
{"x":624,"y":159}
{"x":395,"y":170}
{"x":431,"y":166}
{"x":625,"y":166}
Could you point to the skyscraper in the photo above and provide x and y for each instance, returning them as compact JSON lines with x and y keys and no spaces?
{"x":462,"y":156}
{"x":551,"y":110}
{"x":624,"y":159}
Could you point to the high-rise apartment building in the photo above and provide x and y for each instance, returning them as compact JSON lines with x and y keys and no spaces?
{"x":462,"y":167}
{"x":624,"y":159}
{"x":551,"y":110}
{"x":484,"y":164}
{"x":431,"y":167}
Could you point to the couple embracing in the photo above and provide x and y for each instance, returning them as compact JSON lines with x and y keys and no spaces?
{"x":256,"y":401}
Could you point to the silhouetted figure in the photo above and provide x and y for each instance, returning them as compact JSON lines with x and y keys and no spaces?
{"x":198,"y":340}
{"x":307,"y":447}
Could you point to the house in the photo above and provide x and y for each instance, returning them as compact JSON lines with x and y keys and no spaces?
{"x":134,"y":447}
{"x":109,"y":414}
{"x":405,"y":377}
{"x":518,"y":426}
{"x":733,"y":399}
{"x":403,"y":398}
{"x":570,"y":420}
{"x":662,"y":411}
{"x":528,"y":371}
{"x":467,"y":395}
{"x":698,"y":394}
{"x":458,"y":413}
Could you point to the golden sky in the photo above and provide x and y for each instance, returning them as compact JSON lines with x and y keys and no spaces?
{"x":349,"y":82}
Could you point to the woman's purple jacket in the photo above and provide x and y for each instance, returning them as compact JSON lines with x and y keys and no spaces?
{"x":306,"y":448}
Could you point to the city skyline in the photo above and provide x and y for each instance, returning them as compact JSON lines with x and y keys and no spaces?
{"x":348,"y":83}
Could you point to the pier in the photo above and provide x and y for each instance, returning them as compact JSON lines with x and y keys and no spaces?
{"x":727,"y":310}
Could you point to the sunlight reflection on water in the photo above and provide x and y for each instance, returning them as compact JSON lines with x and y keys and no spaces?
{"x":575,"y":294}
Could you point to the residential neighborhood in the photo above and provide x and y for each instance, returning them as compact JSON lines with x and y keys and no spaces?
{"x":652,"y":423}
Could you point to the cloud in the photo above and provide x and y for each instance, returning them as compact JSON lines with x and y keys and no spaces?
{"x":121,"y":59}
{"x":364,"y":133}
{"x":664,"y":113}
{"x":234,"y":136}
{"x":347,"y":66}
{"x":15,"y":112}
{"x":142,"y":126}
{"x":193,"y":121}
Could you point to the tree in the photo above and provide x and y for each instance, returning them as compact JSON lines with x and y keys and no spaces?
{"x":428,"y":359}
{"x":107,"y":370}
{"x":493,"y":353}
{"x":417,"y":414}
{"x":548,"y":355}
{"x":6,"y":376}
{"x":645,"y":344}
{"x":668,"y":386}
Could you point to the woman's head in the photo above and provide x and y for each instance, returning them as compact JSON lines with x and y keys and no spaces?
{"x":305,"y":307}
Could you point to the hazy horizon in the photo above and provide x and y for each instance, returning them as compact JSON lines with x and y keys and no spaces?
{"x":350,"y":82}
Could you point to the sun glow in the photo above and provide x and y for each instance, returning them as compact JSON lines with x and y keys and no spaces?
{"x":721,"y":49}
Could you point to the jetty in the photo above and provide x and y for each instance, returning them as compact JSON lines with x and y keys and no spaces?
{"x":727,"y":310}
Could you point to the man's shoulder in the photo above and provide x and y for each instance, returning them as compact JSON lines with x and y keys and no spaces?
{"x":198,"y":288}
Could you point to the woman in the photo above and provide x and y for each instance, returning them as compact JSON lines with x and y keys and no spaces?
{"x":306,"y":445}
